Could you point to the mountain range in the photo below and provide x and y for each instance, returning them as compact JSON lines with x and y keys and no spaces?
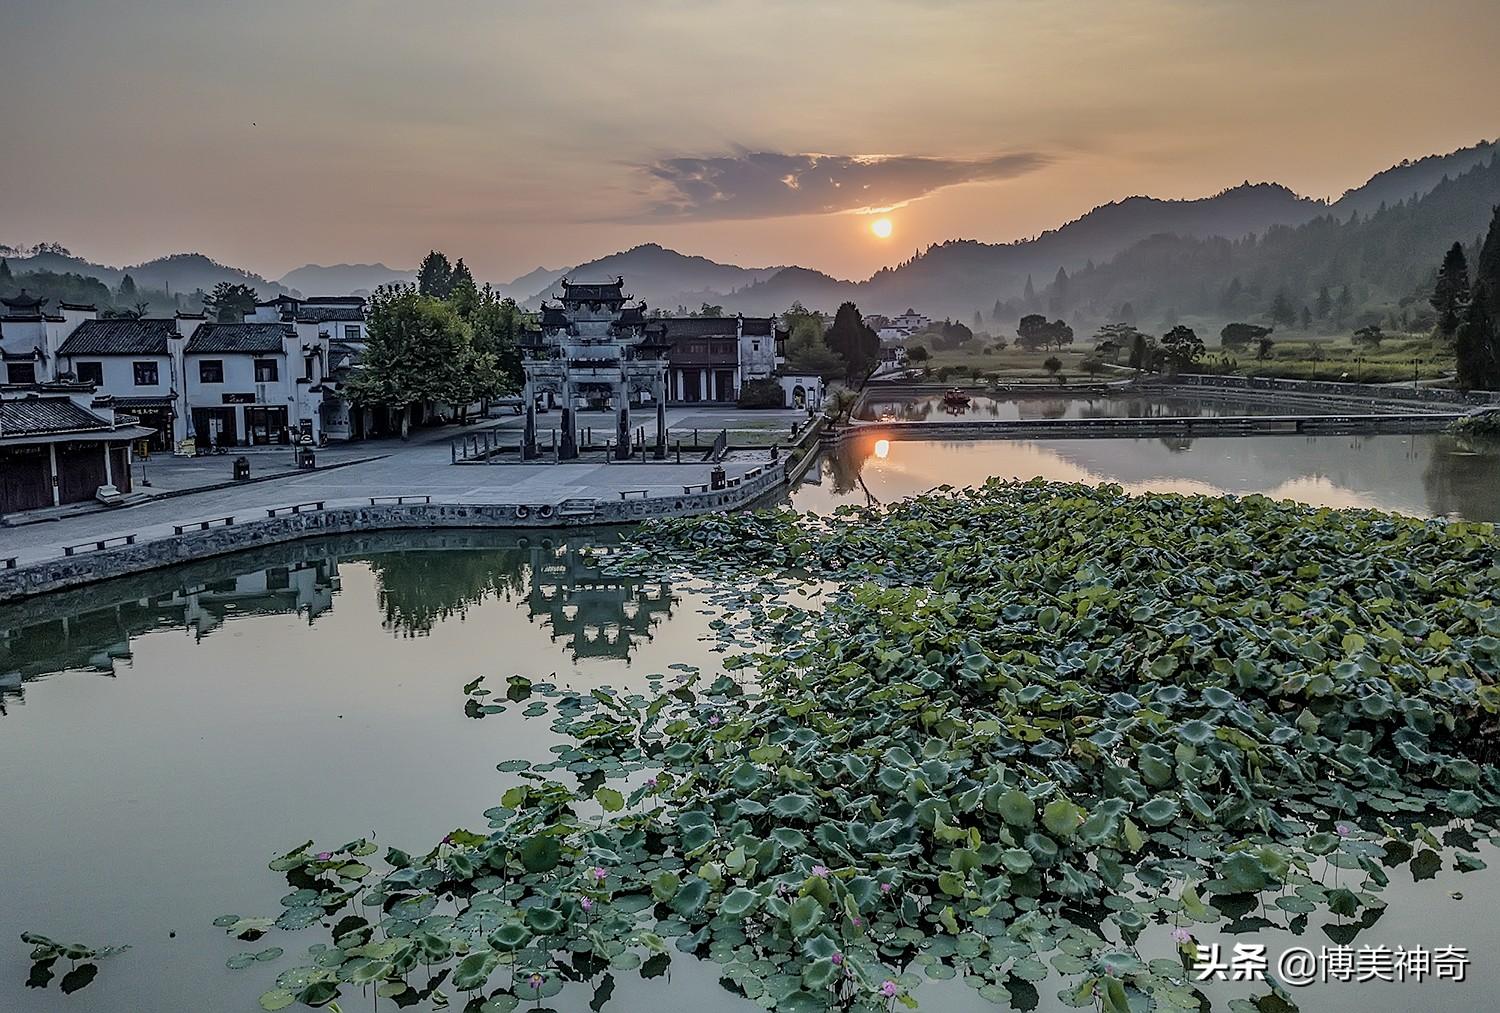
{"x":953,"y":278}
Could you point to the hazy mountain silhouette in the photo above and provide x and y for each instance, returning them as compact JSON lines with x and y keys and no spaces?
{"x":663,"y":278}
{"x":343,"y":279}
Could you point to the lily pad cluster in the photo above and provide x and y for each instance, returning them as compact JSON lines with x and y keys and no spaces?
{"x":1025,"y":723}
{"x":82,"y":966}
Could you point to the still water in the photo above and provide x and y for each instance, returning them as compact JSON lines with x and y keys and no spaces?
{"x":164,"y":735}
{"x":1424,"y":475}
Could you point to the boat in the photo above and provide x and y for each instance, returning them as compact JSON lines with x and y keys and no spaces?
{"x":956,"y":398}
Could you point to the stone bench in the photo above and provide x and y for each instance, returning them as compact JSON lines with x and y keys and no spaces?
{"x":98,"y":545}
{"x":398,"y":500}
{"x":217,"y":522}
{"x":295,"y":508}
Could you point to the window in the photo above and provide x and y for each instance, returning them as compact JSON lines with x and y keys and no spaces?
{"x":351,"y":332}
{"x":265,"y":371}
{"x":307,"y":368}
{"x":90,"y":372}
{"x":210,"y":370}
{"x":21,"y":372}
{"x":755,"y":346}
{"x":145,"y":374}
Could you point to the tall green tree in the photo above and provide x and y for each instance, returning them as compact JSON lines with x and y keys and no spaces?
{"x":854,"y":341}
{"x":435,"y":276}
{"x":1450,"y":294}
{"x":498,"y":324}
{"x":807,"y":352}
{"x":126,"y":293}
{"x":420,"y":351}
{"x":1477,"y":343}
{"x":1324,"y":305}
{"x":5,"y":275}
{"x":228,"y":302}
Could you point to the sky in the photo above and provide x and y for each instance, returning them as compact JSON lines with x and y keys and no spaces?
{"x":276,"y":133}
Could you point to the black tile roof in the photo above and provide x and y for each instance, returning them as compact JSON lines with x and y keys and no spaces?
{"x":329,"y":314}
{"x":80,"y":306}
{"x":612,"y":291}
{"x":232,"y":338}
{"x":553,"y":316}
{"x":699,"y":327}
{"x":43,"y":416}
{"x":25,"y":301}
{"x":336,"y":300}
{"x":759,"y":326}
{"x":119,"y":337}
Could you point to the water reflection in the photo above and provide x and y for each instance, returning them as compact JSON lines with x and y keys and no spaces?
{"x":1426,"y":475}
{"x":421,"y":580}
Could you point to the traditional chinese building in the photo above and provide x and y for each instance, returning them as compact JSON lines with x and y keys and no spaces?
{"x":592,"y":346}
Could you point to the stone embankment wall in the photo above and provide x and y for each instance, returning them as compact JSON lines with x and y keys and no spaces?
{"x":85,"y":567}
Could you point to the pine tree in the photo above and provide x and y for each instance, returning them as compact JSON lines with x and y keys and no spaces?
{"x":1450,"y":294}
{"x":1324,"y":304}
{"x":1059,"y":300}
{"x":1477,"y":343}
{"x":1281,"y":311}
{"x":1343,"y":307}
{"x":5,"y":275}
{"x":126,"y":293}
{"x":997,"y":312}
{"x":435,"y":276}
{"x":1030,"y":292}
{"x":978,"y":320}
{"x":1306,"y":318}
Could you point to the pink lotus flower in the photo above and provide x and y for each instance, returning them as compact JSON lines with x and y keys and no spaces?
{"x":324,"y":856}
{"x":1182,"y":935}
{"x":1344,"y":829}
{"x":713,"y":719}
{"x":821,"y":871}
{"x":535,"y":981}
{"x":837,"y":958}
{"x":888,"y":989}
{"x":885,"y":888}
{"x":857,"y":920}
{"x":588,"y":905}
{"x":600,"y":874}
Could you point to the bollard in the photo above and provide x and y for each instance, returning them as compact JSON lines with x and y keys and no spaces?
{"x":679,"y":451}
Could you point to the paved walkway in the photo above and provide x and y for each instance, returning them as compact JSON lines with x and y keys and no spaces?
{"x":419,"y":467}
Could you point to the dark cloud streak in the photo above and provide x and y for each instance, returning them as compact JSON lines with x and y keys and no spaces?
{"x":769,"y":184}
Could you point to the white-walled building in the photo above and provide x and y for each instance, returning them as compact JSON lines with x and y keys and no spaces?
{"x":255,"y":383}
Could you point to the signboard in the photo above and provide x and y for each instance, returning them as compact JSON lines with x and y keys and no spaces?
{"x":239,"y":398}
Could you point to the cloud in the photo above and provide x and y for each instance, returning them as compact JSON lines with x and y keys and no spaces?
{"x":771,"y":184}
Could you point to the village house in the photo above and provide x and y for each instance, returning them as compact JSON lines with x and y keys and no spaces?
{"x":60,"y":444}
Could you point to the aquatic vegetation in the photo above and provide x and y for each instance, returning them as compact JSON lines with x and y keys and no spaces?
{"x":1483,"y":423}
{"x":45,"y":953}
{"x":1024,"y":724}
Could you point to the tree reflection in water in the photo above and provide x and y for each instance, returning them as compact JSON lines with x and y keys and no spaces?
{"x":1462,"y":476}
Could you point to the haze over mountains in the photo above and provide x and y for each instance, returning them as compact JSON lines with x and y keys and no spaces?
{"x":951,"y":278}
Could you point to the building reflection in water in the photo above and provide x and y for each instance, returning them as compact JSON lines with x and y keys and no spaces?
{"x":421,"y":580}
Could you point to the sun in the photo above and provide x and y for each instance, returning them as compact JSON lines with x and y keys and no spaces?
{"x":881,"y":227}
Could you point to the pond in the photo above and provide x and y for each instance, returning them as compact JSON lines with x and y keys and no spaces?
{"x":1424,"y":475}
{"x":1059,"y":404}
{"x":165,"y":735}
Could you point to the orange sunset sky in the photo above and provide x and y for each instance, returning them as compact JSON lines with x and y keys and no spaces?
{"x":517,"y":134}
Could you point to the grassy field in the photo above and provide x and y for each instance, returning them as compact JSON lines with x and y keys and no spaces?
{"x":1398,"y":358}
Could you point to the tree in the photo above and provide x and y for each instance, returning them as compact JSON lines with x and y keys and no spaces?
{"x":709,"y":309}
{"x":1092,"y":365}
{"x":1450,"y":294}
{"x":854,"y":341}
{"x":1183,"y":346}
{"x":1263,"y":348}
{"x":1343,"y":307}
{"x":1371,"y":336}
{"x":807,"y":352}
{"x":419,"y":351}
{"x":1033,"y":332}
{"x":918,"y":353}
{"x":1239,"y":336}
{"x":1140,"y":351}
{"x":497,"y":326}
{"x":435,"y":276}
{"x":5,"y":275}
{"x":1029,"y":294}
{"x":1477,"y":343}
{"x":1060,"y":295}
{"x":1324,"y":305}
{"x":1307,"y":318}
{"x":978,"y":320}
{"x":229,"y":302}
{"x":126,"y":293}
{"x":1281,"y":311}
{"x":460,"y":275}
{"x":1052,"y":364}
